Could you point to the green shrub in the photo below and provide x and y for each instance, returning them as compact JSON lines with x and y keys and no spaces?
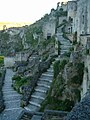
{"x":74,"y":42}
{"x":55,"y":104}
{"x":78,"y":94}
{"x":67,"y":54}
{"x":56,"y":68}
{"x":59,"y":86}
{"x":1,"y":60}
{"x":21,"y":82}
{"x":16,"y":78}
{"x":71,"y":49}
{"x":62,"y":64}
{"x":77,"y":79}
{"x":45,"y":57}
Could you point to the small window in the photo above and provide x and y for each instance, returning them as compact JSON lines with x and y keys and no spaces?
{"x":83,"y":19}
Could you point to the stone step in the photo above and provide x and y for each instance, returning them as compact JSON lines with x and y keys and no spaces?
{"x":10,"y":95}
{"x":7,"y":84}
{"x":34,"y":103}
{"x":37,"y":97}
{"x":36,"y":117}
{"x":36,"y":100}
{"x":47,"y":74}
{"x":7,"y":98}
{"x":12,"y":104}
{"x":6,"y":102}
{"x":64,"y":49}
{"x":9,"y":92}
{"x":31,"y":108}
{"x":64,"y":42}
{"x":44,"y":82}
{"x":43,"y":85}
{"x":44,"y":76}
{"x":45,"y":79}
{"x":65,"y":46}
{"x":62,"y":52}
{"x":51,"y":66}
{"x":50,"y":70}
{"x":39,"y":94}
{"x":7,"y":87}
{"x":41,"y":88}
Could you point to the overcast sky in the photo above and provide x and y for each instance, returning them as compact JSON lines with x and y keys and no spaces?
{"x":25,"y":10}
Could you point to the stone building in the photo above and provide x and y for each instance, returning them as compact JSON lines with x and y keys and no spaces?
{"x":81,"y":18}
{"x":49,"y":29}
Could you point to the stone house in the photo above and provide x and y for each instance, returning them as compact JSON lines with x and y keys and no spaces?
{"x":49,"y":29}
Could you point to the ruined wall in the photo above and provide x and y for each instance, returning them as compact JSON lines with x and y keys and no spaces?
{"x":63,"y":6}
{"x":9,"y":61}
{"x":21,"y":56}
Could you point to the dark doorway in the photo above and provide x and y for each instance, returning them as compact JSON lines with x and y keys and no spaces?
{"x":48,"y":36}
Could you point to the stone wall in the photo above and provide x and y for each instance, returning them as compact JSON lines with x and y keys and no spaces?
{"x":71,"y":6}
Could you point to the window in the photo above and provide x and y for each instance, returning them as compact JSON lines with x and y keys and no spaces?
{"x":83,"y":19}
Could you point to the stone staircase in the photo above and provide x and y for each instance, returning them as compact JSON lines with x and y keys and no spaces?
{"x":40,"y":91}
{"x":45,"y":80}
{"x":11,"y":99}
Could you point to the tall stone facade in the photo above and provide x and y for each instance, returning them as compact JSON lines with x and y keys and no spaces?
{"x":80,"y":13}
{"x":72,"y":8}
